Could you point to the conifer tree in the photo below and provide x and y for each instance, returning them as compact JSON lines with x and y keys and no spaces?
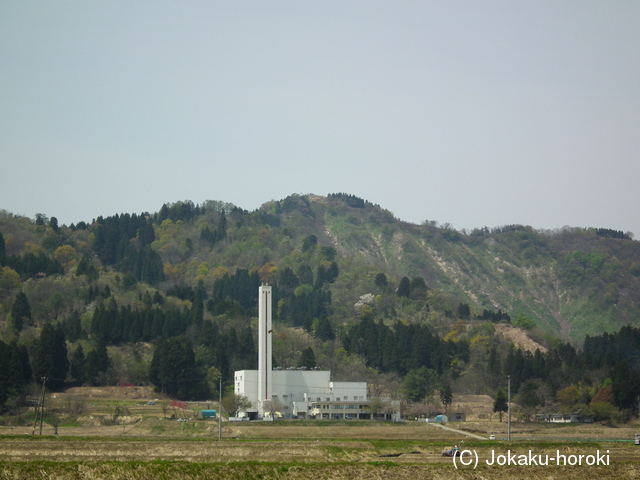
{"x":3,"y":252}
{"x":323,"y":329}
{"x":332,"y":272}
{"x":305,"y":274}
{"x":446,"y":395}
{"x":73,"y":327}
{"x":174,"y":370}
{"x":20,"y":311}
{"x":308,"y":358}
{"x":78,"y":367}
{"x":98,"y":363}
{"x":404,"y":287}
{"x":50,"y":356}
{"x":418,"y":288}
{"x":16,"y":371}
{"x":164,"y":213}
{"x":381,"y":281}
{"x":500,"y":403}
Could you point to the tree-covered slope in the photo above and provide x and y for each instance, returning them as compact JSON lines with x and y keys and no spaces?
{"x":571,"y":282}
{"x":170,"y":298}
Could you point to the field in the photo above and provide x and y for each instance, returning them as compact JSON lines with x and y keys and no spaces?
{"x":148,"y":442}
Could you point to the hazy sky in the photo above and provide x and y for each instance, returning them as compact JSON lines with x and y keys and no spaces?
{"x":469,"y":112}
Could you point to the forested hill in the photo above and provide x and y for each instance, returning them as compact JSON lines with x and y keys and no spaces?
{"x":170,"y":298}
{"x":567,"y":283}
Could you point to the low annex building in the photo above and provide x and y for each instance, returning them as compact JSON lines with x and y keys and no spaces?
{"x":290,"y":392}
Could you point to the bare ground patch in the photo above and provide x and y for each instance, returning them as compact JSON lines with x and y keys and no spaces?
{"x":519,"y":338}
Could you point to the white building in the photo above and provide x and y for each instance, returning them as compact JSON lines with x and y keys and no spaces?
{"x":290,"y":391}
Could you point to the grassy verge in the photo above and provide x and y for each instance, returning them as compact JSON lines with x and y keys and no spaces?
{"x":160,"y":470}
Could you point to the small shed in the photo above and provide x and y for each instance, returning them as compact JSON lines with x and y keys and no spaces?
{"x":442,"y":419}
{"x":458,"y":417}
{"x":208,"y":414}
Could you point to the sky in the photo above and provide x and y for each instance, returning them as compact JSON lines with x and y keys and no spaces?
{"x":469,"y":113}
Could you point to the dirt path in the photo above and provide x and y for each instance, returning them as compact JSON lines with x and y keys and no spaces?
{"x":461,"y":432}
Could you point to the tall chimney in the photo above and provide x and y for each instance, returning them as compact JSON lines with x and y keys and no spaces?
{"x":265,"y":333}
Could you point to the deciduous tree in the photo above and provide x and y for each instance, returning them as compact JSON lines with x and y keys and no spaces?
{"x":234,"y":403}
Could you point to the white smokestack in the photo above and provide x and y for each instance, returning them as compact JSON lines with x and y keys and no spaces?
{"x":265,"y":332}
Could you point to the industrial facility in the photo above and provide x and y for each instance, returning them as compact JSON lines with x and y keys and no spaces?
{"x":293,"y":393}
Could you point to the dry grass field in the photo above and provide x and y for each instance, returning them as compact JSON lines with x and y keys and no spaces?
{"x":147,"y":443}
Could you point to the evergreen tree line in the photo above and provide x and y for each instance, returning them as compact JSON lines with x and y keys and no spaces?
{"x":556,"y":367}
{"x":176,"y":370}
{"x":301,"y":299}
{"x":618,"y":354}
{"x":114,"y":325}
{"x":181,"y":210}
{"x":351,"y":200}
{"x":608,"y":349}
{"x":15,"y":373}
{"x":125,"y":241}
{"x":91,"y":368}
{"x":610,"y":233}
{"x":233,"y":292}
{"x":211,"y":237}
{"x":464,"y":313}
{"x":32,"y":265}
{"x":494,"y":317}
{"x":86,"y":267}
{"x":402,"y":347}
{"x":416,"y":288}
{"x":413,"y":350}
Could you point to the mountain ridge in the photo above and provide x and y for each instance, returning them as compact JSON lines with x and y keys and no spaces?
{"x":570,"y":282}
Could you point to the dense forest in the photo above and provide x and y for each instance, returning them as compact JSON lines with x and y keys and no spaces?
{"x":170,"y":298}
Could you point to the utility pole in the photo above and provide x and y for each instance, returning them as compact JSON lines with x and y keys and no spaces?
{"x":39,"y":408}
{"x":509,"y":409}
{"x":44,"y":379}
{"x":220,"y":410}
